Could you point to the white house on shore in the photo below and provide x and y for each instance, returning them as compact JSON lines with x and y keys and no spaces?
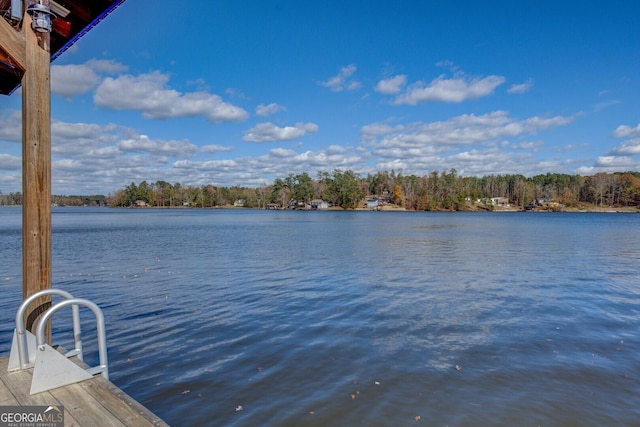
{"x":373,"y":204}
{"x":319,"y":204}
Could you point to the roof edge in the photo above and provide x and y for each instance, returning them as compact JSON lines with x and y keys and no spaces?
{"x":86,"y":29}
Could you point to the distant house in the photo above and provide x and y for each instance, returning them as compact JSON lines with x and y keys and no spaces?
{"x":548,"y":204}
{"x":239,"y":203}
{"x":296,"y":204}
{"x":139,"y":204}
{"x":500,"y":201}
{"x":373,"y":204}
{"x":319,"y":204}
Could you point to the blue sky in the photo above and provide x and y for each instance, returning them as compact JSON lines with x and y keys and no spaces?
{"x":239,"y":93}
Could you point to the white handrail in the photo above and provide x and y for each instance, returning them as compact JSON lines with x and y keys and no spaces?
{"x":103,"y":368}
{"x":23,"y":349}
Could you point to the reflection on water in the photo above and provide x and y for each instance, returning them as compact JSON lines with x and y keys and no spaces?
{"x":355,"y":318}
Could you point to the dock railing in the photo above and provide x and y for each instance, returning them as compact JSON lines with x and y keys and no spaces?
{"x":51,"y":369}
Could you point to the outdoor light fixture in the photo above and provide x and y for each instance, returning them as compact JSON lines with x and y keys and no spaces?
{"x":41,"y":17}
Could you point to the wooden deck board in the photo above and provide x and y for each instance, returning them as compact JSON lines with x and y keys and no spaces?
{"x":76,"y":402}
{"x":88,"y":403}
{"x":6,"y":398}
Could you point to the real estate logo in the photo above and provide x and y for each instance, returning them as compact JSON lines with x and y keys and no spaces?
{"x":31,"y":416}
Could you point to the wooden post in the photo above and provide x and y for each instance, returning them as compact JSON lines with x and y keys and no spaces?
{"x":29,"y":52}
{"x":36,"y":171}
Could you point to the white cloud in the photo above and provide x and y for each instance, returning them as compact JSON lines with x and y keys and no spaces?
{"x":624,"y":131}
{"x":149,"y":94}
{"x":8,"y":162}
{"x":570,"y":147}
{"x":76,"y":139}
{"x":215,"y":148}
{"x":316,"y":160}
{"x":521,"y":88}
{"x":460,"y":130}
{"x":342,"y":80}
{"x":476,"y":156}
{"x":482,"y":162}
{"x":75,"y":79}
{"x":454,"y":90}
{"x":106,"y":66}
{"x":77,"y":131}
{"x":112,"y":161}
{"x":374,"y":130}
{"x":265,"y":132}
{"x":527,"y":145}
{"x":267,"y":110}
{"x":103,"y":152}
{"x":70,"y":80}
{"x":610,"y":164}
{"x":627,"y":148}
{"x":11,"y":125}
{"x":206,"y":166}
{"x":336,"y":149}
{"x":90,"y":158}
{"x":472,"y":144}
{"x":615,"y":162}
{"x":170,"y":148}
{"x":392,"y":85}
{"x":282,"y":152}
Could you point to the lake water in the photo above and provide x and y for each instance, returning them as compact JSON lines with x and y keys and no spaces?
{"x":274,"y":318}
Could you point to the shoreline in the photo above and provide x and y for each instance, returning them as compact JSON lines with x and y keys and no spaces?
{"x":622,"y":209}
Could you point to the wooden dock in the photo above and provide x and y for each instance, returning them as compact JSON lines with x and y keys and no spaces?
{"x":90,"y":403}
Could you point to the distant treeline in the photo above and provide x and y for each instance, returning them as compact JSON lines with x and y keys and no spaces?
{"x":15,"y":199}
{"x":437,"y":191}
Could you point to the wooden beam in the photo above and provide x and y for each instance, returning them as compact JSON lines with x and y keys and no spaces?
{"x":36,"y":171}
{"x":13,"y":43}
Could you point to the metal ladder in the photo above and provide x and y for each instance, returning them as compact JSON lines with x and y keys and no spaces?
{"x":51,"y":369}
